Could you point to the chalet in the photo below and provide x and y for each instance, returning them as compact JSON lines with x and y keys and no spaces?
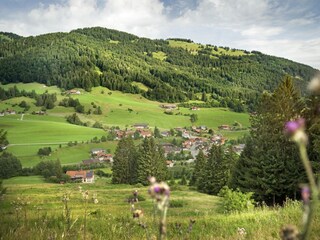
{"x":95,"y":151}
{"x":74,"y":91}
{"x":224,"y":127}
{"x":104,"y":157}
{"x":81,"y":175}
{"x":38,"y":112}
{"x":170,"y":148}
{"x":144,"y":133}
{"x":165,"y":133}
{"x":186,"y":134}
{"x":168,"y":106}
{"x":10,"y":112}
{"x":140,"y":125}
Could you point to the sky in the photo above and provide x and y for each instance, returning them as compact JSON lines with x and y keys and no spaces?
{"x":283,"y":28}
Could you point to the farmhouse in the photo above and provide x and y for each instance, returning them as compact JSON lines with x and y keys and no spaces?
{"x":144,"y":133}
{"x":104,"y":157}
{"x":84,"y":176}
{"x":74,"y":91}
{"x":224,"y":127}
{"x":95,"y":151}
{"x":168,"y":106}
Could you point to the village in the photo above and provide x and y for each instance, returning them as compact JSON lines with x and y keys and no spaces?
{"x":176,"y":152}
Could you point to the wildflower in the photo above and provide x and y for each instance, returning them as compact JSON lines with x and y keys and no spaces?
{"x":242,"y":231}
{"x":289,"y":232}
{"x":314,"y":85}
{"x":95,"y":199}
{"x":137,"y":213}
{"x":85,"y":195}
{"x":295,"y":130}
{"x":305,"y":194}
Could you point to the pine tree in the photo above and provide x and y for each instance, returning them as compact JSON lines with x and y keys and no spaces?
{"x":124,"y":168}
{"x":269,"y":165}
{"x":199,"y":175}
{"x":215,"y":170}
{"x":151,"y":162}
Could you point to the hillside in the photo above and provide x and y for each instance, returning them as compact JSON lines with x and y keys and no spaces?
{"x":174,"y":70}
{"x":121,"y":110}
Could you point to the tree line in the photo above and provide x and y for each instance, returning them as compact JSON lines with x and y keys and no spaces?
{"x":92,"y":57}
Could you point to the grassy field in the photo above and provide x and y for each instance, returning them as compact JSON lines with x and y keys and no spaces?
{"x":26,"y":136}
{"x":193,"y":48}
{"x":41,"y":214}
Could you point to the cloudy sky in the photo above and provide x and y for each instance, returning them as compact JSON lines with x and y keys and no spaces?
{"x":285,"y":28}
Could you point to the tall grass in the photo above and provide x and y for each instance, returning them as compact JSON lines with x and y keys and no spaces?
{"x":198,"y":217}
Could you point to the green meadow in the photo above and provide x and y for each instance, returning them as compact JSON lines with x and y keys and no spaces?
{"x":27,"y":133}
{"x":33,"y":209}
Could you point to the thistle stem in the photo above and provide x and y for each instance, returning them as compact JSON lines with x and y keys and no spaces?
{"x":314,"y":191}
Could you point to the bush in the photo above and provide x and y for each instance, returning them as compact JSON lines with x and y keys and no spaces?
{"x":235,"y":200}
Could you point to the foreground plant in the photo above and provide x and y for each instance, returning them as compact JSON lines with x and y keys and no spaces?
{"x":160,"y":192}
{"x":296,"y":131}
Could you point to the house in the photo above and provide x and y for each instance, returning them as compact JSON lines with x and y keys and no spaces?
{"x":84,"y":176}
{"x":95,"y":151}
{"x":165,"y":133}
{"x":10,"y":112}
{"x":74,"y":91}
{"x":140,"y":125}
{"x":195,"y":109}
{"x":170,"y":148}
{"x":186,"y":134}
{"x":168,"y":106}
{"x":104,"y":157}
{"x":224,"y":127}
{"x":144,"y":133}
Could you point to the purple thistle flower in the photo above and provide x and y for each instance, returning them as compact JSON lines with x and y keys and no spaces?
{"x":292,"y":127}
{"x":156,"y":189}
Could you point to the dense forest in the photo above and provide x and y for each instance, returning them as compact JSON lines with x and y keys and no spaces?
{"x":97,"y":56}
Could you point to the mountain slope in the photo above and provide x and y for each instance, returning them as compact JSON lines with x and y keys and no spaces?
{"x":172,"y":70}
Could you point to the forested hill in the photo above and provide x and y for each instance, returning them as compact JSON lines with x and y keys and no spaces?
{"x":173,"y":70}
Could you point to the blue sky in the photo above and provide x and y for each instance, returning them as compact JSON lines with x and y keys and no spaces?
{"x":284,"y":28}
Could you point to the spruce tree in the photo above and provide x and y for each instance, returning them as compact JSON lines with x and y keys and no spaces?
{"x":269,"y":165}
{"x":199,"y":174}
{"x":124,"y":168}
{"x":216,"y":171}
{"x":151,"y":162}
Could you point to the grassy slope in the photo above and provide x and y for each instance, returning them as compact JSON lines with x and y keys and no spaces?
{"x":54,"y":129}
{"x":111,"y":217}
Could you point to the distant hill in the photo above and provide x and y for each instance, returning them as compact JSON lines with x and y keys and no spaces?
{"x":173,"y":70}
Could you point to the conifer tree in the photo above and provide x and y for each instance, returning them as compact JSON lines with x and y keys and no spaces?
{"x":269,"y":165}
{"x":151,"y":162}
{"x":199,"y":174}
{"x":215,"y":171}
{"x":124,"y":168}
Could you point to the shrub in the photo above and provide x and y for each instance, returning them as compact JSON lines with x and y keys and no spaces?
{"x":235,"y":200}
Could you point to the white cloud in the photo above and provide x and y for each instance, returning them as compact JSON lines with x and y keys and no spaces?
{"x":278,"y":27}
{"x":261,"y":32}
{"x":143,"y":17}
